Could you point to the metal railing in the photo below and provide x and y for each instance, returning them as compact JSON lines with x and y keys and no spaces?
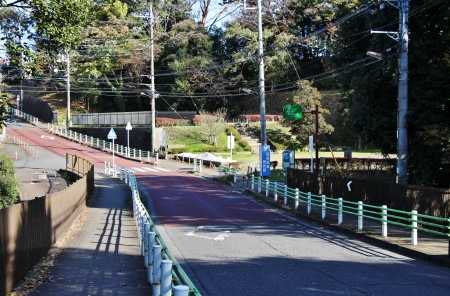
{"x":163,"y":270}
{"x":132,"y":153}
{"x":410,"y":220}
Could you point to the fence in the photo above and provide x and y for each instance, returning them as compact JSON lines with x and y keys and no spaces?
{"x":124,"y":151}
{"x":427,"y":200}
{"x":407,"y":219}
{"x":164,"y":272}
{"x":29,"y":229}
{"x":142,"y":118}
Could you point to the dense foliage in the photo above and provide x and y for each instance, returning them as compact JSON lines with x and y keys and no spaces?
{"x":9,"y":188}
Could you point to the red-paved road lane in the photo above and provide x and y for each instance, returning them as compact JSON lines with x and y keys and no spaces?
{"x":61,"y":146}
{"x":181,"y":199}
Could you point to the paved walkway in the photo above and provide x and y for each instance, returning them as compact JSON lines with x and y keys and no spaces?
{"x":100,"y":255}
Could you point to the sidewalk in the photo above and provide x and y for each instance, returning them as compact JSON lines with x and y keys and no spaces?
{"x":100,"y":254}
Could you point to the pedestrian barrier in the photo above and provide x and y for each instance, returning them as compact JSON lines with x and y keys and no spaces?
{"x":164,"y":273}
{"x":411,"y":220}
{"x":227,"y":171}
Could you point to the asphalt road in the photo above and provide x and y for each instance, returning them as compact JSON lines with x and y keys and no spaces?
{"x":231,"y":245}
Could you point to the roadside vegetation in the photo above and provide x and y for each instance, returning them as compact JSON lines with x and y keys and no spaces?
{"x":9,"y":188}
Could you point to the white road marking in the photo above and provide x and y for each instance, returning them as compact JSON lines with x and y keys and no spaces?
{"x":47,"y":137}
{"x":218,"y":238}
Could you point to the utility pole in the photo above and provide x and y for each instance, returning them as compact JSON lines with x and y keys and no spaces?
{"x":402,"y":129}
{"x":152,"y":78}
{"x":68,"y":87}
{"x":402,"y":92}
{"x":262,"y":97}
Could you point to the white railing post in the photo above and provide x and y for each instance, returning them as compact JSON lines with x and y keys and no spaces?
{"x":181,"y":290}
{"x":360,"y":215}
{"x":275,"y":191}
{"x":235,"y":175}
{"x":166,"y":277}
{"x":259,"y":184}
{"x":297,"y":195}
{"x":340,"y":211}
{"x":151,"y":243}
{"x":324,"y":206}
{"x":220,"y":171}
{"x":414,"y":228}
{"x":253,"y":182}
{"x":156,"y":285}
{"x":201,"y":166}
{"x":146,"y":246}
{"x":267,"y":187}
{"x":384,"y":229}
{"x":285,"y":194}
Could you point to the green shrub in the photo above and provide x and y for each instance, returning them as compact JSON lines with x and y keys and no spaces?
{"x":9,"y":187}
{"x":179,"y":150}
{"x":210,"y":149}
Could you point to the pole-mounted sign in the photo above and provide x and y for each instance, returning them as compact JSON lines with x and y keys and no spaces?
{"x":112,"y":136}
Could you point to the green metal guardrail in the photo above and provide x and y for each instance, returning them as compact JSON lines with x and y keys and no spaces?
{"x":411,"y":220}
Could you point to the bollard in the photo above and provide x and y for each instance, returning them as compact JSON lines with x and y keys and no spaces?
{"x":414,"y":228}
{"x":275,"y":192}
{"x":156,"y":285}
{"x":340,"y":211}
{"x":267,"y":187}
{"x":309,"y":203}
{"x":166,"y":277}
{"x":151,"y":243}
{"x":285,"y":194}
{"x":324,"y":206}
{"x":181,"y":290}
{"x":145,"y":242}
{"x":296,"y":197}
{"x":106,"y":168}
{"x":360,"y":215}
{"x":384,"y":221}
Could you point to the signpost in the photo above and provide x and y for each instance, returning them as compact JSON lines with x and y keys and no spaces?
{"x":264,"y":161}
{"x":112,"y":136}
{"x":288,"y":159}
{"x":128,"y":128}
{"x":230,"y":144}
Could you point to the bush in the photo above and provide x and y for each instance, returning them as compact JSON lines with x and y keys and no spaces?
{"x":210,"y":149}
{"x":161,"y":121}
{"x":179,"y":150}
{"x":9,"y":188}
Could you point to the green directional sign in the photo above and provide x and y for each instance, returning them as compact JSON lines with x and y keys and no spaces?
{"x":292,"y":112}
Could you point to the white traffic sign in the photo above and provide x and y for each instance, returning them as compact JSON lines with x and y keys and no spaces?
{"x":112,"y":134}
{"x":129,"y":127}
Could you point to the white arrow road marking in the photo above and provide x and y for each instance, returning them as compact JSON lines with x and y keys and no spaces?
{"x":218,"y":238}
{"x":47,"y":137}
